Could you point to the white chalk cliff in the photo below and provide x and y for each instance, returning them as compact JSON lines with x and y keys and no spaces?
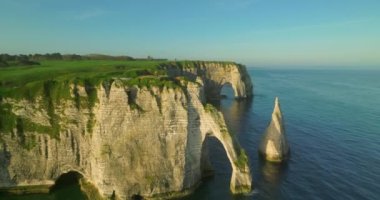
{"x":143,"y":141}
{"x":274,"y":145}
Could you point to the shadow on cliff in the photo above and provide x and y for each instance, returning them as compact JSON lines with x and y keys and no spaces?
{"x":194,"y":136}
{"x":5,"y":157}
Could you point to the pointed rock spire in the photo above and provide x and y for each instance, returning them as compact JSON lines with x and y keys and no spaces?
{"x":274,"y":145}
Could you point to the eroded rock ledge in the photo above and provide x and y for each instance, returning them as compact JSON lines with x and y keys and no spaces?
{"x":144,"y":141}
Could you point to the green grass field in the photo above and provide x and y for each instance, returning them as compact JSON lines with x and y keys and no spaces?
{"x":15,"y":81}
{"x":48,"y":70}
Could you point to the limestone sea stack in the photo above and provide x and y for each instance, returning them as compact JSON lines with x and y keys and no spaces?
{"x":274,"y":145}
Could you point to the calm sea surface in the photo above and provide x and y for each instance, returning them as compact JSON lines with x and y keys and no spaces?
{"x":332,"y":119}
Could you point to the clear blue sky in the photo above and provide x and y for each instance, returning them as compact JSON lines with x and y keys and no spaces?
{"x":254,"y":32}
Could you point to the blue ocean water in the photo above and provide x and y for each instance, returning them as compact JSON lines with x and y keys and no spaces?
{"x":332,"y":119}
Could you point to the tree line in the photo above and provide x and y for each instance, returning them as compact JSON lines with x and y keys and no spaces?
{"x":34,"y":59}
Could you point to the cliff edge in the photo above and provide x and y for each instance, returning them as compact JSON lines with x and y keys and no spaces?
{"x":125,"y":138}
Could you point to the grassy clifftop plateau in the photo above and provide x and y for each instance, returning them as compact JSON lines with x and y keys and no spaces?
{"x":18,"y":81}
{"x":21,"y":76}
{"x":54,"y":81}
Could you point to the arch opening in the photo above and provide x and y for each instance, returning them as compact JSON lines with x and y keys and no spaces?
{"x":73,"y":185}
{"x":227,"y":96}
{"x":221,"y":92}
{"x":214,"y":161}
{"x":68,"y":185}
{"x":227,"y":92}
{"x":137,"y":197}
{"x":71,"y":178}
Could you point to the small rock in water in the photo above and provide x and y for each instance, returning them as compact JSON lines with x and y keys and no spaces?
{"x":274,"y":145}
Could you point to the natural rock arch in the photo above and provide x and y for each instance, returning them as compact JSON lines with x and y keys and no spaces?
{"x":214,"y":75}
{"x":240,"y":181}
{"x":214,"y":90}
{"x":213,"y":125}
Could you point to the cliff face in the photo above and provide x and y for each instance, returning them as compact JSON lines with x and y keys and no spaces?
{"x":131,"y":141}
